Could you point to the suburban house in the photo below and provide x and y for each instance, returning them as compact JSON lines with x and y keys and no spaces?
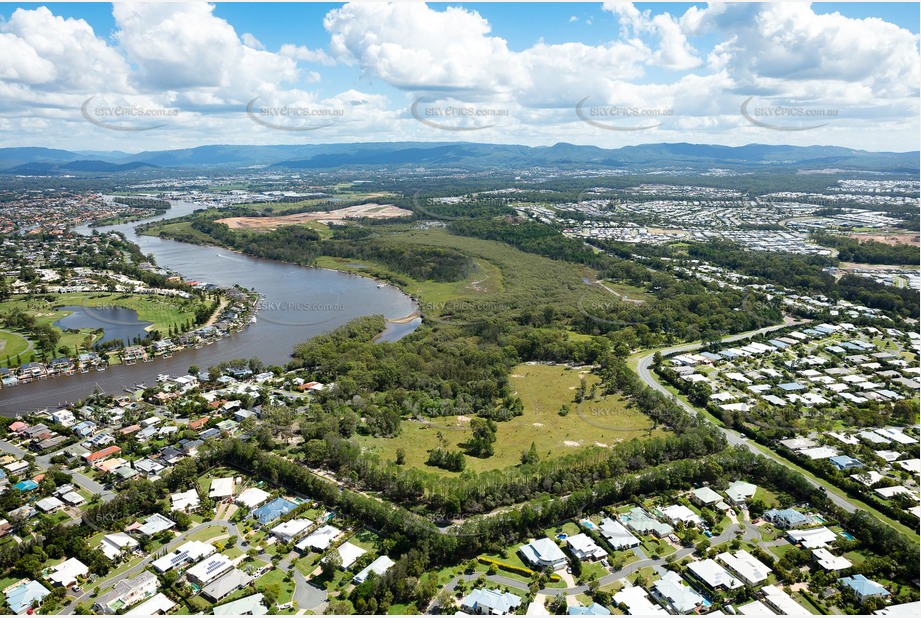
{"x":740,"y":492}
{"x":98,"y":456}
{"x":221,"y":488}
{"x":185,"y":500}
{"x":637,"y":602}
{"x":379,"y":566}
{"x":675,"y":595}
{"x":114,"y":544}
{"x":252,"y":497}
{"x":127,"y":592}
{"x":154,"y":524}
{"x":617,"y":536}
{"x":812,"y":538}
{"x":247,"y":606}
{"x":584,"y":548}
{"x":490,"y":602}
{"x":781,"y":602}
{"x":745,"y":566}
{"x":787,"y":518}
{"x":25,"y":595}
{"x":642,"y":522}
{"x":226,"y":585}
{"x":68,"y":572}
{"x":714,"y":576}
{"x":845,"y":462}
{"x":863,"y":588}
{"x":679,"y":512}
{"x":348,"y":554}
{"x":268,"y":513}
{"x":291,"y":529}
{"x":209,"y":569}
{"x":186,"y":553}
{"x":319,"y":540}
{"x":829,"y":561}
{"x":592,"y":610}
{"x":154,"y":606}
{"x":543,"y":553}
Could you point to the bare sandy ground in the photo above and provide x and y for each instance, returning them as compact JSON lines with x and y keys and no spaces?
{"x":370,"y":211}
{"x":890,"y":239}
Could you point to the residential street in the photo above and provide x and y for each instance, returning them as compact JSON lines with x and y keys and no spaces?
{"x":732,"y":437}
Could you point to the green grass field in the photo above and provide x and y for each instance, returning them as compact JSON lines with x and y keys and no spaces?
{"x":183,"y":227}
{"x":12,"y":344}
{"x":276,"y":576}
{"x":484,"y":280}
{"x":543,"y":390}
{"x":161,"y":311}
{"x":628,"y":292}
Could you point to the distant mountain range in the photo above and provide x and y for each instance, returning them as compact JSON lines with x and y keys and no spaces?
{"x":47,"y":161}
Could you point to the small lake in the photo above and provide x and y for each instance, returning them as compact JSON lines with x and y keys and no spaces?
{"x":116,"y":322}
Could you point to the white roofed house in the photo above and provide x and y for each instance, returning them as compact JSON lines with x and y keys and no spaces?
{"x":745,"y":566}
{"x":348,"y":554}
{"x":185,"y":500}
{"x":714,"y":576}
{"x":319,"y":540}
{"x":251,"y":497}
{"x":739,"y":492}
{"x":705,"y":496}
{"x":291,"y":529}
{"x":68,"y":572}
{"x":637,"y":602}
{"x":115,"y":544}
{"x":829,"y":561}
{"x":226,"y":585}
{"x":156,"y":605}
{"x":675,"y":594}
{"x":679,"y":512}
{"x":221,"y":488}
{"x":154,"y":524}
{"x":209,"y":569}
{"x":812,"y":538}
{"x":617,"y":536}
{"x":188,"y":552}
{"x":490,"y":602}
{"x":127,"y":592}
{"x":543,"y":553}
{"x":584,"y":548}
{"x":379,"y":566}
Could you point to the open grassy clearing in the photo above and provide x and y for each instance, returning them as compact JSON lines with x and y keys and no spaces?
{"x":432,"y":295}
{"x":543,"y":389}
{"x":184,"y":228}
{"x":163,"y":312}
{"x":12,"y":344}
{"x":628,"y":292}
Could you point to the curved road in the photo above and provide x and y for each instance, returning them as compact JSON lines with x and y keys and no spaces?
{"x":734,"y":437}
{"x":104,"y":584}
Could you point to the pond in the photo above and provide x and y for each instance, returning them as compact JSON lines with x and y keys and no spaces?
{"x":116,"y":322}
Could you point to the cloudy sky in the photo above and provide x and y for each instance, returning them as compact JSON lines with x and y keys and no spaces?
{"x":148,"y":76}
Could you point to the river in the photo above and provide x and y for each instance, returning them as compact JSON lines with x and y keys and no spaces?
{"x":299,"y":303}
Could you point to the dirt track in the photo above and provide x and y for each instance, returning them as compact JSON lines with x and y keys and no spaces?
{"x":370,"y":211}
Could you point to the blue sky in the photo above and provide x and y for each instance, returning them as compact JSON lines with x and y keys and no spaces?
{"x":136,"y":76}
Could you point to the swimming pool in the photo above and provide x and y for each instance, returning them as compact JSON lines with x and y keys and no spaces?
{"x":847,"y":535}
{"x":587,"y":524}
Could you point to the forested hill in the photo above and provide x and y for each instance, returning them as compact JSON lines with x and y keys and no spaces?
{"x":464,"y":156}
